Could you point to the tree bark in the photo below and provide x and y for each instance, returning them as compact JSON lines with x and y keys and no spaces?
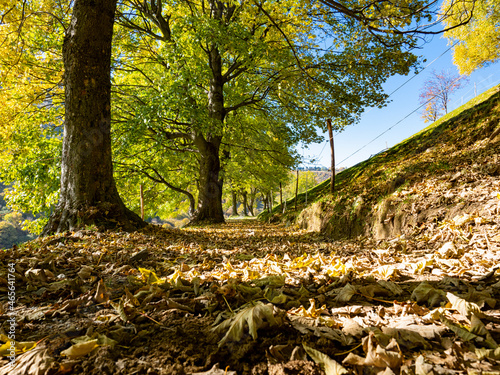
{"x":281,"y":195}
{"x":234,"y":197}
{"x":210,"y":184}
{"x":88,"y":194}
{"x":253,"y":194}
{"x":210,"y":193}
{"x":245,"y":203}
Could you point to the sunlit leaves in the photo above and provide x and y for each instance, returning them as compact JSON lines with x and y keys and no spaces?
{"x":275,"y":78}
{"x":31,"y":94}
{"x":477,"y":43}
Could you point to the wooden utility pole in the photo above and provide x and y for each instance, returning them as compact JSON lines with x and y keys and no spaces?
{"x":332,"y":150}
{"x":142,"y":203}
{"x":281,"y":195}
{"x":296,"y":189}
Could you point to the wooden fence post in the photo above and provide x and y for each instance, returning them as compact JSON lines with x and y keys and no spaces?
{"x":142,"y":203}
{"x":332,"y":150}
{"x":296,"y":189}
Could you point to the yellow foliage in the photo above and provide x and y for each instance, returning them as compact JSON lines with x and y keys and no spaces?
{"x":478,"y":42}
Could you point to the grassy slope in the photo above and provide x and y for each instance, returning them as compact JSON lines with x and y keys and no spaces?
{"x":436,"y":151}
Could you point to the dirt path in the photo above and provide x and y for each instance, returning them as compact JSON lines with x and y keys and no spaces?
{"x":284,"y":301}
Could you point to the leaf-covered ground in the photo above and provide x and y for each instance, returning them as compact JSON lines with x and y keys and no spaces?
{"x":254,"y":298}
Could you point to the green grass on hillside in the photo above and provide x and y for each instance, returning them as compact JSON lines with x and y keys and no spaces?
{"x":407,"y":161}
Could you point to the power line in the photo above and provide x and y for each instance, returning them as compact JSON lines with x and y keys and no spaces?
{"x":381,"y":134}
{"x":394,"y":91}
{"x":404,"y":118}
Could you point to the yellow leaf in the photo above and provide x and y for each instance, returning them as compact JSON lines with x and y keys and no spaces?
{"x":465,"y":308}
{"x":20,"y":347}
{"x":149,"y":276}
{"x":80,"y":349}
{"x":386,"y":272}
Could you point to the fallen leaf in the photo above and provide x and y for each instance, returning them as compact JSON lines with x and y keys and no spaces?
{"x":101,"y":293}
{"x":33,"y":362}
{"x":251,"y":317}
{"x":330,"y":366}
{"x":488,"y":353}
{"x":425,"y":292}
{"x":376,"y":355}
{"x":20,"y":347}
{"x":465,"y":308}
{"x":346,"y":293}
{"x":80,"y":349}
{"x":422,"y":368}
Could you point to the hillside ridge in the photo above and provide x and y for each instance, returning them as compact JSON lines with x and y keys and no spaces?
{"x":449,"y":169}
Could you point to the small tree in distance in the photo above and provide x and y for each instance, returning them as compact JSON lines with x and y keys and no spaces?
{"x":436,"y":92}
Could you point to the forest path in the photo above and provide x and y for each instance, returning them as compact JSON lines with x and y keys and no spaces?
{"x":284,"y":301}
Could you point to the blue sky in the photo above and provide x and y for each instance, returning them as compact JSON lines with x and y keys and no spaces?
{"x":374,"y":122}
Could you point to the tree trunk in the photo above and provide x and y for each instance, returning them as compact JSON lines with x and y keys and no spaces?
{"x":88,"y":194}
{"x":142,"y":201}
{"x":245,"y":203}
{"x":253,"y":194}
{"x":210,"y":192}
{"x":234,"y":197}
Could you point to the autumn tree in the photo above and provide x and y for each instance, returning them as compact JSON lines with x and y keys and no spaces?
{"x":88,"y":192}
{"x":32,"y":97}
{"x":436,"y":91}
{"x":259,"y":166}
{"x":476,"y":44}
{"x":187,"y":76}
{"x":182,"y":68}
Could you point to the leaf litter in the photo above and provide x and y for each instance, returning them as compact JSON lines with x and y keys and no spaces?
{"x":254,"y":298}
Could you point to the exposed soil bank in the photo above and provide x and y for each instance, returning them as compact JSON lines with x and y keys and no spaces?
{"x":443,"y":173}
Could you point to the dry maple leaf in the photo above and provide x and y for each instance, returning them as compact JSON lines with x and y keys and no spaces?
{"x":253,"y":317}
{"x":464,"y":307}
{"x":330,"y":366}
{"x":101,"y":294}
{"x":376,"y":354}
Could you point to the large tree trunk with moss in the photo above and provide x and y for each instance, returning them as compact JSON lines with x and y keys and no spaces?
{"x":88,"y":193}
{"x":210,"y":192}
{"x":210,"y":184}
